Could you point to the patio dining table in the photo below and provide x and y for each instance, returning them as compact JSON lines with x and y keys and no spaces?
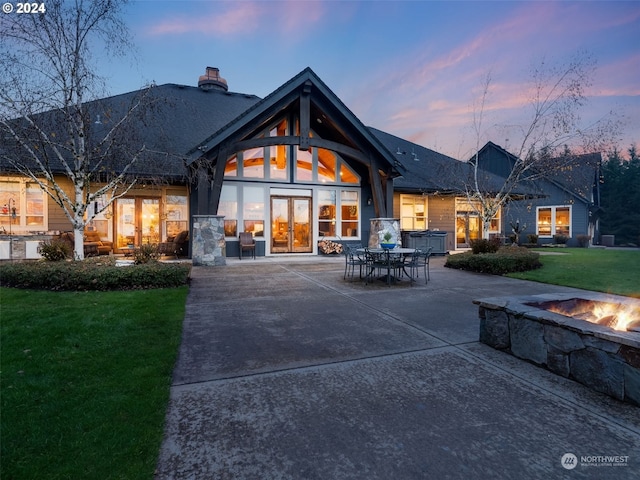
{"x":383,"y":258}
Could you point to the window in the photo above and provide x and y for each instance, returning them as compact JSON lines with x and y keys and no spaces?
{"x":23,"y":205}
{"x":349,"y":203}
{"x":253,"y":210}
{"x":176,"y":211}
{"x":280,"y":162}
{"x":229,"y":208}
{"x":304,"y":165}
{"x":253,"y":163}
{"x":327,"y":213}
{"x":413,"y":212}
{"x":326,"y":166}
{"x":554,"y":221}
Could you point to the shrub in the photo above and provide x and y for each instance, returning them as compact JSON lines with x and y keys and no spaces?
{"x":505,"y":260}
{"x":93,"y":274}
{"x":583,"y":240}
{"x":55,"y":250}
{"x":560,"y":239}
{"x":532,"y":238}
{"x":145,"y":254}
{"x":485,"y":246}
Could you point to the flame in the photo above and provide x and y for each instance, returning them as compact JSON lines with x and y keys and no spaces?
{"x":612,"y":315}
{"x":616,"y":316}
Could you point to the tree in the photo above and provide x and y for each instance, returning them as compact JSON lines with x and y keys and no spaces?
{"x":50,"y":117}
{"x":620,"y":197}
{"x":556,"y":96}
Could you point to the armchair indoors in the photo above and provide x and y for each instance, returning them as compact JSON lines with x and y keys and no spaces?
{"x":178,"y":245}
{"x":247,"y":243}
{"x":93,"y":244}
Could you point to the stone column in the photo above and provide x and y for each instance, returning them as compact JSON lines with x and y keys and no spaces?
{"x":208,"y":246}
{"x":378,"y":225}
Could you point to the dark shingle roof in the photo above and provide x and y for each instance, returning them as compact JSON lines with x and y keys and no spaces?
{"x":176,"y":118}
{"x":426,"y":171}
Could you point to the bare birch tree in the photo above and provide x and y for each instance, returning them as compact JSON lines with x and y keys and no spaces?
{"x":50,"y":116}
{"x":557,"y":95}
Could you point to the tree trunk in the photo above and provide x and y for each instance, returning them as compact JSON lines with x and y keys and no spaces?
{"x":486,"y":225}
{"x":78,"y":243}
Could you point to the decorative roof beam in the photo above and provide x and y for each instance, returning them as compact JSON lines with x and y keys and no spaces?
{"x":305,"y":116}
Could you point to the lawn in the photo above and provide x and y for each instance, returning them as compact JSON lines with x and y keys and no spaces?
{"x":85,"y":381}
{"x":610,"y":271}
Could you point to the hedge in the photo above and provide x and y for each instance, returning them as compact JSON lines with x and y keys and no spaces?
{"x":505,"y":260}
{"x":92,"y":274}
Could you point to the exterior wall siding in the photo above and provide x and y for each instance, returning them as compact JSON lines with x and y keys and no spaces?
{"x":442,"y":216}
{"x":526,"y":211}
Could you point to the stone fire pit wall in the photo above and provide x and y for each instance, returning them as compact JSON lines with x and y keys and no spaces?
{"x":599,"y":357}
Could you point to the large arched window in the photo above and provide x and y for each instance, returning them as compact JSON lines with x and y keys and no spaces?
{"x":315,"y":165}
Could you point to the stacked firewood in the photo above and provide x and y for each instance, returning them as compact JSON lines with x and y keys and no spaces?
{"x":328,"y":247}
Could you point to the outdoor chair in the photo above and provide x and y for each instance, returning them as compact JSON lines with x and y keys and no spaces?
{"x":247,"y":244}
{"x":385,"y":264}
{"x":419,"y":260}
{"x":352,"y":259}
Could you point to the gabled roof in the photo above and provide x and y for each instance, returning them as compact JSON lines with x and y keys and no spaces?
{"x":286,"y":95}
{"x":426,"y":171}
{"x":577,"y":174}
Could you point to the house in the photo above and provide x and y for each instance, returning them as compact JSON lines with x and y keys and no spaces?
{"x":565,"y":204}
{"x":293,"y":168}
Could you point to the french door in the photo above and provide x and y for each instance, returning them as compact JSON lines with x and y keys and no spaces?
{"x":291,"y":224}
{"x":468,"y":228}
{"x":137,"y":221}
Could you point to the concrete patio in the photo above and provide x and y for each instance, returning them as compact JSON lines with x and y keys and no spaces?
{"x":286,"y":371}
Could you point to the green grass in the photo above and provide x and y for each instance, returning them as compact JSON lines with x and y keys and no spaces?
{"x":610,"y":271}
{"x":85,"y":381}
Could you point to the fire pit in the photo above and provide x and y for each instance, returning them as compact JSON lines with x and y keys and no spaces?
{"x":610,"y":314}
{"x":593,"y":339}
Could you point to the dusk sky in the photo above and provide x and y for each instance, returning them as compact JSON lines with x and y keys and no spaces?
{"x":411,"y":68}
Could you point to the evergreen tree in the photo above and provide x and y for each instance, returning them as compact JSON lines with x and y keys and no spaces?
{"x":620,"y":197}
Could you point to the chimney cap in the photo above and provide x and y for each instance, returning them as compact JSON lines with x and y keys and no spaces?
{"x":211,"y":80}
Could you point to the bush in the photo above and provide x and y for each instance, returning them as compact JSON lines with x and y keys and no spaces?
{"x":505,"y":260}
{"x":583,"y":240}
{"x":92,"y":274}
{"x":55,"y":250}
{"x":145,"y":254}
{"x":560,"y":239}
{"x":485,"y":246}
{"x":532,"y":238}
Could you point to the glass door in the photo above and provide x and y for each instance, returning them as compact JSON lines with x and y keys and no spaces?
{"x":137,"y":221}
{"x":291,"y":225}
{"x":467,"y":229}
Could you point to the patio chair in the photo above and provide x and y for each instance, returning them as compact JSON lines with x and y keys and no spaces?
{"x":247,"y":243}
{"x":352,"y":260}
{"x":381,"y":262}
{"x":419,"y":259}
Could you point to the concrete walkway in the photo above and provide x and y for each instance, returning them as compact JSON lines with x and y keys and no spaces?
{"x":286,"y":371}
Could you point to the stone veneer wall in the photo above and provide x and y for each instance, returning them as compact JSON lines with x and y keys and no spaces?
{"x":601,"y":358}
{"x":380,"y":224}
{"x":208,"y":246}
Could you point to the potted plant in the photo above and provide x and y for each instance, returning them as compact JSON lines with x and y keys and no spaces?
{"x":386,"y":237}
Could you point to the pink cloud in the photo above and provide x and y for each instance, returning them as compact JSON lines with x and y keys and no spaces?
{"x":240,"y":17}
{"x":232,"y":19}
